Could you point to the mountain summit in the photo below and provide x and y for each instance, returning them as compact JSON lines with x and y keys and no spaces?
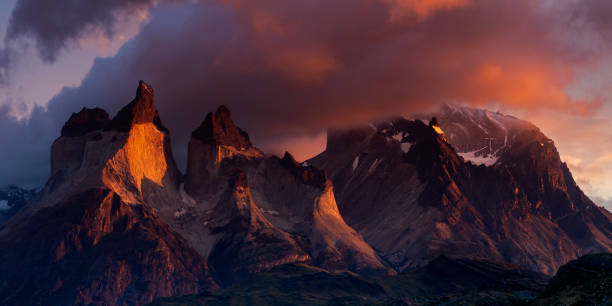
{"x":524,"y":208}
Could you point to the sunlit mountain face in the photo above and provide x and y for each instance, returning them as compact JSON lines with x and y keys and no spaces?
{"x":364,"y":152}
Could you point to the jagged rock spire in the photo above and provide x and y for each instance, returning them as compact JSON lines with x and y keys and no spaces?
{"x":140,"y":110}
{"x":218,"y":128}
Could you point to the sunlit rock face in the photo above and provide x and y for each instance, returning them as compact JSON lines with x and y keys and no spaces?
{"x":405,"y":188}
{"x":141,"y":157}
{"x":105,"y":210}
{"x":291,"y":200}
{"x":300,"y":199}
{"x":95,"y":151}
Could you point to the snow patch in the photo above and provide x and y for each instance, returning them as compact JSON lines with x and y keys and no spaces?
{"x":355,"y":163}
{"x":179,"y":213}
{"x":269,"y":212}
{"x":4,"y":205}
{"x":405,"y":147}
{"x":488,"y":160}
{"x":398,"y":137}
{"x":373,"y":166}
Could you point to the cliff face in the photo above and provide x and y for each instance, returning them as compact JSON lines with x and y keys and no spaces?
{"x":290,"y":200}
{"x":249,"y":243}
{"x":435,"y":202}
{"x":120,"y":154}
{"x":95,"y":233}
{"x":216,"y":140}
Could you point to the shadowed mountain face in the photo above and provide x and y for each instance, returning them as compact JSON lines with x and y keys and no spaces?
{"x":404,"y":187}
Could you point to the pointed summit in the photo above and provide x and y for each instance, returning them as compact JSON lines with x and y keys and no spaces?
{"x":145,"y":91}
{"x":217,"y":139}
{"x":219,"y":129}
{"x":140,"y":110}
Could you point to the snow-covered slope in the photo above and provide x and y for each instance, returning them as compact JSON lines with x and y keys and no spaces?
{"x":480,"y":136}
{"x":413,"y":204}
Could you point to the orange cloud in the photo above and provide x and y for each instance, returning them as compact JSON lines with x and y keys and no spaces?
{"x":422,"y":8}
{"x":304,"y":65}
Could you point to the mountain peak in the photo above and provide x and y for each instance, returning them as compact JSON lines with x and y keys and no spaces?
{"x":306,"y":174}
{"x":85,"y":121}
{"x":140,"y":110}
{"x":223,"y":113}
{"x":144,"y":90}
{"x":218,"y":128}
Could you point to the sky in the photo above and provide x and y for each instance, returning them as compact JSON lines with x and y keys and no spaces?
{"x":290,"y":69}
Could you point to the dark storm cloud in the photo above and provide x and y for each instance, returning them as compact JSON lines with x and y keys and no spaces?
{"x":294,"y":67}
{"x":55,"y":25}
{"x":291,"y":68}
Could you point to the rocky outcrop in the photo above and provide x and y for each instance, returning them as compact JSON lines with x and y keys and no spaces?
{"x":300,"y":199}
{"x":249,"y":242}
{"x":99,"y":230}
{"x":287,"y":196}
{"x":405,"y":188}
{"x":120,"y":154}
{"x":140,"y":111}
{"x":216,"y":140}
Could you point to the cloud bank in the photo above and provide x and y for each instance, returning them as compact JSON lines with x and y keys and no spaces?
{"x":289,"y":69}
{"x":59,"y":24}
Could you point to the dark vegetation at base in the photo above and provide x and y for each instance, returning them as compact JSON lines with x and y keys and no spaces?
{"x":444,"y":281}
{"x":585,"y":281}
